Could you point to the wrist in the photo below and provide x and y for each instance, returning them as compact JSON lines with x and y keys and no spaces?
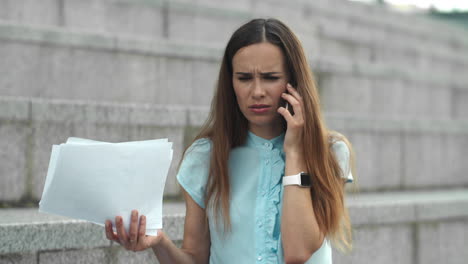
{"x":294,"y":164}
{"x":158,"y":243}
{"x":293,"y":153}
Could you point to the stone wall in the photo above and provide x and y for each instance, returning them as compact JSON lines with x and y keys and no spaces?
{"x":395,"y":227}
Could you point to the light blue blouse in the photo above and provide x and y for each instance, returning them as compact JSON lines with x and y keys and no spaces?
{"x":255,"y":170}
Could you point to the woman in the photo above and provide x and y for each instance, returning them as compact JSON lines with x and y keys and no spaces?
{"x":263,"y":181}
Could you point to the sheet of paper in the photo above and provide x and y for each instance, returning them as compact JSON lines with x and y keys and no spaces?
{"x":96,"y":181}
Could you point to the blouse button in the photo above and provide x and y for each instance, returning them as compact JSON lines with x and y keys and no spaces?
{"x":259,"y":258}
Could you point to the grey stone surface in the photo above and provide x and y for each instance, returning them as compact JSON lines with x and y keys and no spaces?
{"x":382,"y":244}
{"x":173,"y":224}
{"x":204,"y":78}
{"x":27,"y":230}
{"x":74,"y":256}
{"x":14,"y":141}
{"x":123,"y":256}
{"x":197,"y":26}
{"x":93,"y":112}
{"x":45,"y":135}
{"x":409,"y":206}
{"x":111,"y":15}
{"x":123,"y":69}
{"x":67,"y":234}
{"x":381,"y":220}
{"x":18,"y":61}
{"x":87,"y":40}
{"x":236,"y":8}
{"x":390,"y":22}
{"x":378,"y":159}
{"x":178,"y":88}
{"x":443,"y":242}
{"x":427,"y":160}
{"x":30,"y":11}
{"x":24,"y":258}
{"x":122,"y":17}
{"x":197,"y":115}
{"x":12,"y":108}
{"x":133,"y":73}
{"x":157,"y":115}
{"x":460,"y":107}
{"x":369,"y":213}
{"x":342,"y":93}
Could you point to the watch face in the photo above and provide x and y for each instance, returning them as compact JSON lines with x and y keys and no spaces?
{"x":305,"y":180}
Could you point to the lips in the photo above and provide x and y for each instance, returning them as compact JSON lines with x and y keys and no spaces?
{"x":259,"y":108}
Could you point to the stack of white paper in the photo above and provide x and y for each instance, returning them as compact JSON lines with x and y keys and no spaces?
{"x":96,"y":181}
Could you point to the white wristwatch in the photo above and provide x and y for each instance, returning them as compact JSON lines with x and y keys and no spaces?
{"x":301,"y":179}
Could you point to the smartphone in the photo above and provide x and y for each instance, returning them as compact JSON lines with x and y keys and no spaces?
{"x":287,"y":106}
{"x":293,"y":83}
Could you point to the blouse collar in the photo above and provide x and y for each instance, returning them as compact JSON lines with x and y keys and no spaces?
{"x":256,"y":141}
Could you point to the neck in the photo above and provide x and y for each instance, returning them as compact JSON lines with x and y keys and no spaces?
{"x":266,"y":132}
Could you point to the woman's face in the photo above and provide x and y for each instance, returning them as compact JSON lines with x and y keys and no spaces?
{"x":259,"y":78}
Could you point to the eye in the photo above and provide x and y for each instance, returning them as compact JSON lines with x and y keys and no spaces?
{"x":271,"y":78}
{"x":244,"y":78}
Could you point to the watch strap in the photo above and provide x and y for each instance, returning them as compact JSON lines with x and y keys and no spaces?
{"x":292,"y":179}
{"x":300,"y":179}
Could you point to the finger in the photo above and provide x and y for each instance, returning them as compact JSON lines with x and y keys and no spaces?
{"x":133,"y":229}
{"x":294,"y":92}
{"x":142,"y":230}
{"x":109,"y":232}
{"x":123,"y":238}
{"x":286,"y":114}
{"x":296,"y":104}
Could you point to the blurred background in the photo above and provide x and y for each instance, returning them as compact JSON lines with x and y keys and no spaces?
{"x":392,"y":75}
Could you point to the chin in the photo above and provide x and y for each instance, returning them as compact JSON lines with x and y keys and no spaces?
{"x":262,"y":121}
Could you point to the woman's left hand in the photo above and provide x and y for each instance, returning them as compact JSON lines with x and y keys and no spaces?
{"x":295,"y":123}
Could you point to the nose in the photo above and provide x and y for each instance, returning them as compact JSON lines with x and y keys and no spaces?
{"x":258,"y":90}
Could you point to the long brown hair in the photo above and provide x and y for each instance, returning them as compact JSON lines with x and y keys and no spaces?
{"x":227,"y":128}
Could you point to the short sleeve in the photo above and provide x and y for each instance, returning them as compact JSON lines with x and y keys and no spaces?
{"x":342,"y":154}
{"x":194,"y":169}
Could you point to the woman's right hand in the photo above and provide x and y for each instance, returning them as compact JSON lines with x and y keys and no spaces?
{"x":136,"y":239}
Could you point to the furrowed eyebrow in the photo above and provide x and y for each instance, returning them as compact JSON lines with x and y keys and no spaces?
{"x":262,"y":73}
{"x":269,"y":73}
{"x":243,"y":73}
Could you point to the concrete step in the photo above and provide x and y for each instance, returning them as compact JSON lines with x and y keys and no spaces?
{"x":361,"y":32}
{"x":391,"y":153}
{"x":394,"y":227}
{"x":51,"y":63}
{"x":360,"y":35}
{"x":197,"y":21}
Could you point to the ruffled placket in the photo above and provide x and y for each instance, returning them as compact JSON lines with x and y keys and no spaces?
{"x":273,"y":206}
{"x":268,"y":199}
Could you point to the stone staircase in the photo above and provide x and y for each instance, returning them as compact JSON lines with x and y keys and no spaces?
{"x":120,"y":70}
